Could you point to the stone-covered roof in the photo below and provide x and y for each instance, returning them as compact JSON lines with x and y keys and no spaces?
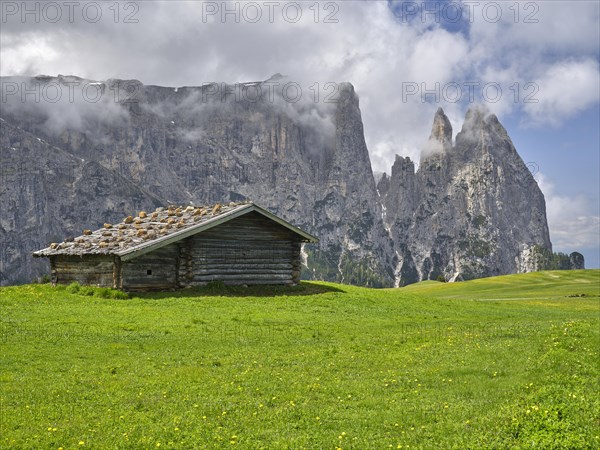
{"x":164,"y":225}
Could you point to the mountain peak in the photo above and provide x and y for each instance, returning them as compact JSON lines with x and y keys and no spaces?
{"x":481,"y":126}
{"x":476,"y":116}
{"x":440,"y":139}
{"x":471,"y":209}
{"x":441,"y":129}
{"x":276,"y":77}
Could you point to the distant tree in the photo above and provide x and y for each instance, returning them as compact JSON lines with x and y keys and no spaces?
{"x":553,"y":261}
{"x":576,"y":260}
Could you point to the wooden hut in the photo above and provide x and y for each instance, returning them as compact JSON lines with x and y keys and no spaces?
{"x":176,"y":247}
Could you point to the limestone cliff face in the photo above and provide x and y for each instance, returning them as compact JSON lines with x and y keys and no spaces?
{"x":140,"y":145}
{"x":472,"y":209}
{"x":48,"y":194}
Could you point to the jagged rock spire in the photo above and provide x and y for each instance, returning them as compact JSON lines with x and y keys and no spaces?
{"x":475,"y":115}
{"x":473,"y":208}
{"x":441,"y":130}
{"x":482,"y":128}
{"x":440,"y":139}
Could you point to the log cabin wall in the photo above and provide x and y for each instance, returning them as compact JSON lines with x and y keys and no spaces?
{"x":92,"y":270}
{"x":156,"y":270}
{"x":250,"y":249}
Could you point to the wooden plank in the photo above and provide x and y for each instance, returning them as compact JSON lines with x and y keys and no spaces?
{"x":86,"y":266}
{"x":242,"y":253}
{"x":245,"y":261}
{"x":220,"y":244}
{"x":245,"y":273}
{"x":243,"y":266}
{"x":241,"y":282}
{"x":146,"y":287}
{"x":243,"y":277}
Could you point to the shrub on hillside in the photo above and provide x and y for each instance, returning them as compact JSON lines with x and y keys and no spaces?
{"x":215,"y":286}
{"x":110,"y":293}
{"x":87,"y":290}
{"x":73,"y":288}
{"x":90,"y":291}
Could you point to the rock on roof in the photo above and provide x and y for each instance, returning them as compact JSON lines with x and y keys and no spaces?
{"x":114,"y":239}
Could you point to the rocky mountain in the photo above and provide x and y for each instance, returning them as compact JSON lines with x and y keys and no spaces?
{"x":472,"y":209}
{"x":76,"y":153}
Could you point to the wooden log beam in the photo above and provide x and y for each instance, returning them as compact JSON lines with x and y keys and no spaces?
{"x":247,"y":277}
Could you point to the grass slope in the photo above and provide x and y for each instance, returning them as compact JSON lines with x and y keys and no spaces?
{"x":505,"y":362}
{"x":550,"y":285}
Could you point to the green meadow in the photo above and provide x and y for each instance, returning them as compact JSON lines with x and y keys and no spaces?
{"x":508,"y":362}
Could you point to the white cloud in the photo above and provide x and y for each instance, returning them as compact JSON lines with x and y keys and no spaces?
{"x":558,"y":27}
{"x":553,"y":44}
{"x":29,"y":54}
{"x":172,"y":45}
{"x":565,"y":89}
{"x":573,"y":220}
{"x":530,"y":31}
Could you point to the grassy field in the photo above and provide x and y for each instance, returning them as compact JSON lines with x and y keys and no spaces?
{"x":506,"y":362}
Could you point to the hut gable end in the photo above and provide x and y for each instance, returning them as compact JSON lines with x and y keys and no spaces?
{"x":251,"y":227}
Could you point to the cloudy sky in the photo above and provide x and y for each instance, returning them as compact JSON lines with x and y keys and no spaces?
{"x":533,"y":63}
